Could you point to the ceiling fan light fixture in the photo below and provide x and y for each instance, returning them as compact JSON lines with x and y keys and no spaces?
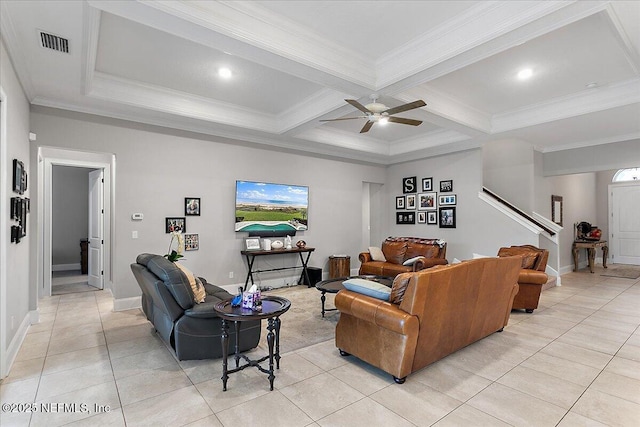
{"x":383,"y":120}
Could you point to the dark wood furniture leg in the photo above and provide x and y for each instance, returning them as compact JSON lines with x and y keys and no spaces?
{"x":270,"y":340}
{"x":605,"y":255}
{"x":225,"y":353}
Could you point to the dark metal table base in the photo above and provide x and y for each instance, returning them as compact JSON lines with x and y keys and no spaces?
{"x":273,"y":340}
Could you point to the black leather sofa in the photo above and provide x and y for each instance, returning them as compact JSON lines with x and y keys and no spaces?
{"x":192,"y":330}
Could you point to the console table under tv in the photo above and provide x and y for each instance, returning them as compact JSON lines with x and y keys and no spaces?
{"x":251,"y":257}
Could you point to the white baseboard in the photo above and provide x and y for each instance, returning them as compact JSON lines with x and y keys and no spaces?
{"x":66,"y":267}
{"x":16,"y":343}
{"x":122,"y":304}
{"x":280,"y":282}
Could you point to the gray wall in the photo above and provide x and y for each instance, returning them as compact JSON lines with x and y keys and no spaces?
{"x":70,"y":213}
{"x":17,"y":147}
{"x":479,"y":227}
{"x":157,"y":168}
{"x":617,"y":155}
{"x":508,"y":170}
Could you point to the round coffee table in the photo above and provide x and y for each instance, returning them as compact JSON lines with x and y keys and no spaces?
{"x":271,"y":309}
{"x":333,"y":286}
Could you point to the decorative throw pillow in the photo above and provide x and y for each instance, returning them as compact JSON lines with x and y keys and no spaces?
{"x":394,"y":251}
{"x":399,"y":286}
{"x":368,"y":287}
{"x":376,"y":254}
{"x":411,"y":261}
{"x":529,"y":259}
{"x":199,"y":293}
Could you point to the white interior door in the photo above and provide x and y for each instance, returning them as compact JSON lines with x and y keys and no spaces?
{"x":96,"y":229}
{"x":625,"y":224}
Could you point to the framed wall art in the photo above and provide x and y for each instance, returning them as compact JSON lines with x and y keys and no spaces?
{"x":556,"y":209}
{"x":411,"y":201}
{"x":18,"y":172}
{"x":191,"y":242}
{"x":175,"y":224}
{"x":427,"y":184}
{"x":405,"y":217}
{"x":446,"y":186}
{"x":426,"y":201}
{"x":422,"y":217}
{"x":192,"y":206}
{"x":447,"y":200}
{"x":448,"y":217}
{"x":432,"y":217}
{"x":400,"y":202}
{"x":409,"y":185}
{"x":252,"y":243}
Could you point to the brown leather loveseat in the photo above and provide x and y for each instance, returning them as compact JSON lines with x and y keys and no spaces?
{"x":440,"y":310}
{"x":397,"y":250}
{"x":532,"y":276}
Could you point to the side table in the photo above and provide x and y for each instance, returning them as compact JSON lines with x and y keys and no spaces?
{"x":591,"y":247}
{"x":272,"y":308}
{"x":339,"y":266}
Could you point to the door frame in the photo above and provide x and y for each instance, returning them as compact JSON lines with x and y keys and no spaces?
{"x":47,"y":158}
{"x":610,"y":189}
{"x":93,"y":215}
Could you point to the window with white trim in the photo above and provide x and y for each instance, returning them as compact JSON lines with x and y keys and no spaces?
{"x":631,"y":174}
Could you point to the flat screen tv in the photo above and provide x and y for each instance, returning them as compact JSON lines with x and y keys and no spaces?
{"x":266,"y":209}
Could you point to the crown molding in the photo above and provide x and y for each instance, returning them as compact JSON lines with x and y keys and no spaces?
{"x":7,"y":31}
{"x":480,"y":24}
{"x":592,"y":142}
{"x":254,"y":25}
{"x":633,"y":57}
{"x":584,"y":102}
{"x":429,"y":140}
{"x":90,"y":38}
{"x":309,"y":110}
{"x":339,"y":138}
{"x":123,"y":91}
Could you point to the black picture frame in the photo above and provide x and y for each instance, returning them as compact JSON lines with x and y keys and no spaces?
{"x":405,"y":217}
{"x":427,"y":184}
{"x":411,"y":201}
{"x":432,"y":217}
{"x":556,"y":209}
{"x":410,"y":185}
{"x":448,"y":200}
{"x":422,"y":217}
{"x":400,"y":202}
{"x":18,"y":172}
{"x":191,"y":242}
{"x":175,"y":224}
{"x":446,"y":186}
{"x":447,"y":216}
{"x":23,"y":217}
{"x":192,"y":206}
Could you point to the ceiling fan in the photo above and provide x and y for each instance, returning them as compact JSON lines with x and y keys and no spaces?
{"x":376,"y":112}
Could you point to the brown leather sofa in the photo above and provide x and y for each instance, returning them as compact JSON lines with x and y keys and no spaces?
{"x":442,"y":310}
{"x":399,"y":249}
{"x":532,"y":276}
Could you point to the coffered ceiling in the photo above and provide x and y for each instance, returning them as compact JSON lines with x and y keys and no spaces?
{"x":294,"y":63}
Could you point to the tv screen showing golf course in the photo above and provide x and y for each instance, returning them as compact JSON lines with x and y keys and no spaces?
{"x":262,"y":206}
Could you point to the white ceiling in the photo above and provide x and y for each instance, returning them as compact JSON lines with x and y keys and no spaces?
{"x":294,"y":63}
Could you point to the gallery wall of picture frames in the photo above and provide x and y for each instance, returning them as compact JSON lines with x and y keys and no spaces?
{"x":20,"y":206}
{"x":420,"y":204}
{"x":192,"y":206}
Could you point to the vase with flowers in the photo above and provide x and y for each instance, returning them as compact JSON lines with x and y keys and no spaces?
{"x":175,"y":254}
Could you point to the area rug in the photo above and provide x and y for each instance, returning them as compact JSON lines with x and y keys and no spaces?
{"x":303,"y":325}
{"x":624,"y":272}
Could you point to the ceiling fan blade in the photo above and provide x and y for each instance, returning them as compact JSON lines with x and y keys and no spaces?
{"x":405,"y":107}
{"x":358,"y":105}
{"x":366,"y":127}
{"x":343,"y":118}
{"x":405,"y":121}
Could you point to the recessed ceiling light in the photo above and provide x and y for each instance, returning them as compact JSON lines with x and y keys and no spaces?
{"x":525,"y":73}
{"x":224,"y":72}
{"x":591,"y":85}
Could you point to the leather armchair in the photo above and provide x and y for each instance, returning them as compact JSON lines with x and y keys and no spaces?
{"x":192,"y":330}
{"x":442,"y":310}
{"x":397,"y":250}
{"x":532,"y":274}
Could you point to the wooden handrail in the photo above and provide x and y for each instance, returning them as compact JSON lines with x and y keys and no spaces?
{"x":518,"y":211}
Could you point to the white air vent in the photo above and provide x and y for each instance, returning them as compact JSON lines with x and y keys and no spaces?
{"x":51,"y":41}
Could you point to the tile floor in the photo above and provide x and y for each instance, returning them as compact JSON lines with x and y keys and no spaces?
{"x":574,"y":362}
